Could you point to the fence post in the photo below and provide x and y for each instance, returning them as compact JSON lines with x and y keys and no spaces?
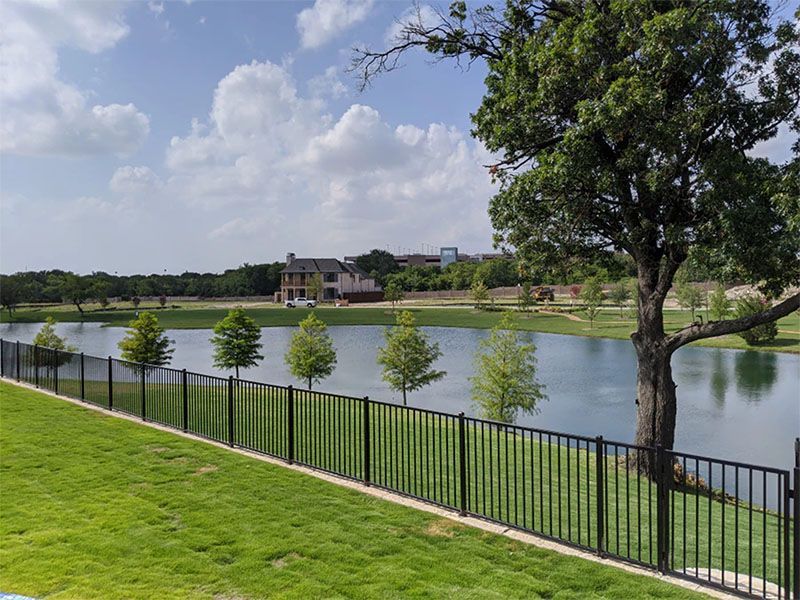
{"x":110,"y":386}
{"x":601,"y":500}
{"x":144,"y":398}
{"x":366,"y":441}
{"x":462,"y":463}
{"x":230,"y":411}
{"x":185,"y":400}
{"x":36,"y":364}
{"x":17,"y":361}
{"x":796,"y":498}
{"x":2,"y":358}
{"x":83,"y":379}
{"x":662,"y":508}
{"x":290,"y":424}
{"x":55,"y":371}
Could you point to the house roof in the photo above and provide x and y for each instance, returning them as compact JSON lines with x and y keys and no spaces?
{"x":323,"y":265}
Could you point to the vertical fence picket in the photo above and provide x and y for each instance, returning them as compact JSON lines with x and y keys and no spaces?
{"x":83,"y":378}
{"x":36,"y":364}
{"x":462,"y":463}
{"x":290,"y":425}
{"x":796,"y":532}
{"x":17,"y":360}
{"x":366,"y":441}
{"x":185,"y":401}
{"x":231,"y":431}
{"x":110,"y":384}
{"x":599,"y":478}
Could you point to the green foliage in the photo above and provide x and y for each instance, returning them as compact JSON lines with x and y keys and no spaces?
{"x":75,"y":289}
{"x":311,"y":356}
{"x":393,"y":293}
{"x":379,"y":264}
{"x":11,"y":292}
{"x":689,"y":296}
{"x":524,"y":297}
{"x":505,"y":374}
{"x":752,"y":305}
{"x":719,"y":303}
{"x":497,"y":272}
{"x":236,"y":341}
{"x":314,"y":286}
{"x":408,"y":357}
{"x":47,"y":337}
{"x":145,"y":342}
{"x":592,"y":296}
{"x":479,"y":293}
{"x":619,"y":295}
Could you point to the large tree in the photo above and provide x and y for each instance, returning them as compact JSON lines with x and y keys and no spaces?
{"x":629,"y":126}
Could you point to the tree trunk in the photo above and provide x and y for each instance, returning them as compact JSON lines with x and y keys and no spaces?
{"x":404,"y":397}
{"x":309,"y":383}
{"x":237,"y":371}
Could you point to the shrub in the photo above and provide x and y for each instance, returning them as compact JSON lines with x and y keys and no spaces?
{"x":752,"y":305}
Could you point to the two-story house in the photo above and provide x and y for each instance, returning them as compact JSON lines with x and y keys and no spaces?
{"x":338,"y":278}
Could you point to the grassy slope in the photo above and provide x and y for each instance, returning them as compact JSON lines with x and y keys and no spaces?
{"x":98,"y":507}
{"x":608,"y":325}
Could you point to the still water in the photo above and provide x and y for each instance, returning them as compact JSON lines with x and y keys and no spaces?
{"x":739,"y":405}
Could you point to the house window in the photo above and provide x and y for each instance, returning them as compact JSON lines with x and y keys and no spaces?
{"x":330,"y":278}
{"x":329,"y":293}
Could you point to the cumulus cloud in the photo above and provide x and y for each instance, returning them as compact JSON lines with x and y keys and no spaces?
{"x":416,"y":14}
{"x":134,"y":180}
{"x":331,"y":184}
{"x":327,"y":84}
{"x":326,"y":19}
{"x":41,"y":113}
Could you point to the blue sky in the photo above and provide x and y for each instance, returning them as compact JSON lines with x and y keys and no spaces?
{"x":150,"y":136}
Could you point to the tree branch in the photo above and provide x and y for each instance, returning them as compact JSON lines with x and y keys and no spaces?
{"x":698,"y":331}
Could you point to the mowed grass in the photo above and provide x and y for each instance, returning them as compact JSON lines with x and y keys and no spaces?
{"x":97,"y":507}
{"x":609,"y":324}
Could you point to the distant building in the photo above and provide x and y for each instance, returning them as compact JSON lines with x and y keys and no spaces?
{"x":338,"y":278}
{"x":446,"y":256}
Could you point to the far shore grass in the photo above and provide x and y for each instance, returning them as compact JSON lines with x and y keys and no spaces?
{"x":98,"y":507}
{"x":609,"y":324}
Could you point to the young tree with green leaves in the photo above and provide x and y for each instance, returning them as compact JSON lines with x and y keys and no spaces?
{"x":314,"y":287}
{"x":592,"y":297}
{"x":75,"y":289}
{"x":689,"y":296}
{"x":524,"y":297}
{"x":619,"y":295}
{"x":719,"y":304}
{"x":311,"y":356}
{"x":236,"y":341}
{"x":505,"y":374}
{"x":145,"y":342}
{"x":628,"y":126}
{"x":479,"y":293}
{"x":47,"y":337}
{"x":393,"y":293}
{"x":752,"y":305}
{"x":408,"y":357}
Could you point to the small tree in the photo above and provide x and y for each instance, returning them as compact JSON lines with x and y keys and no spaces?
{"x":479,"y":293}
{"x":75,"y":289}
{"x":99,"y":292}
{"x":145,"y":342}
{"x":48,"y":338}
{"x":393,"y":293}
{"x":619,"y":295}
{"x":525,"y":299}
{"x":592,"y":296}
{"x":136,"y":301}
{"x":408,"y":357}
{"x":236,"y":340}
{"x":748,"y":306}
{"x":314,"y":287}
{"x":11,"y":292}
{"x":689,"y":296}
{"x":162,"y":300}
{"x":505,"y":380}
{"x":311,"y":356}
{"x":719,"y":304}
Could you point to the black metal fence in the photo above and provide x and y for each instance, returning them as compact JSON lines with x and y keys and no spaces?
{"x":731,"y":525}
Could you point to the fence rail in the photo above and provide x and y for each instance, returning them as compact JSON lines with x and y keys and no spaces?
{"x":726,"y":524}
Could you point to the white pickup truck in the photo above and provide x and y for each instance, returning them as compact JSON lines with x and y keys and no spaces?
{"x":301,"y":302}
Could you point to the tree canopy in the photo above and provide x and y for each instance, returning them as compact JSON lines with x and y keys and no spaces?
{"x":236,"y":341}
{"x":145,"y":342}
{"x":311,"y":356}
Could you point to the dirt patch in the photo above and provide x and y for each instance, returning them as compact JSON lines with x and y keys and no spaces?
{"x":442,"y":528}
{"x":284,"y":560}
{"x":206,"y":469}
{"x":158,"y":449}
{"x":181,"y":460}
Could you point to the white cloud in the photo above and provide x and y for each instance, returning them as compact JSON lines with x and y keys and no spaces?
{"x":275,"y":167}
{"x":155,"y":7}
{"x":134,"y":180}
{"x":415,"y":14}
{"x":327,"y":84}
{"x":41,"y":113}
{"x":327,"y":19}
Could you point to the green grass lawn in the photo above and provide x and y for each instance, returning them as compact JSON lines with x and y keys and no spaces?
{"x":608,"y":325}
{"x":96,"y":507}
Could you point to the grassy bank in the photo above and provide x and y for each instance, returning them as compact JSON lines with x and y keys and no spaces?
{"x":609,"y":324}
{"x":99,"y":507}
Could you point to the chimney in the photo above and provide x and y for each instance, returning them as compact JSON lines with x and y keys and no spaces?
{"x":289,"y":258}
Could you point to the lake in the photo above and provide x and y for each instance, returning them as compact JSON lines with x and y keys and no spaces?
{"x":733,"y":404}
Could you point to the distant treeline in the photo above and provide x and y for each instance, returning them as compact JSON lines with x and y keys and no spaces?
{"x":58,"y":286}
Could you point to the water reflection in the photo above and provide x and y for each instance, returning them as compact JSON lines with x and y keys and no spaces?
{"x":725,"y":397}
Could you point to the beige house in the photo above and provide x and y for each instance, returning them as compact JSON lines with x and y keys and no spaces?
{"x":338,"y":278}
